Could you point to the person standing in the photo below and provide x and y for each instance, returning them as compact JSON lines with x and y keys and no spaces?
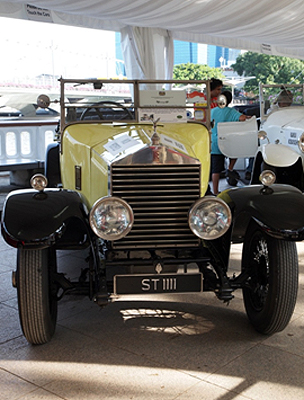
{"x":200,"y":102}
{"x":284,"y":99}
{"x":216,"y":86}
{"x":226,"y":114}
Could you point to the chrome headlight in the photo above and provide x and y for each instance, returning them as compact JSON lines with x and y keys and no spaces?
{"x":301,"y":142}
{"x":38,"y":182}
{"x":209,"y":218}
{"x":111,"y":218}
{"x":43,"y":101}
{"x":262,"y":135}
{"x":268,"y":177}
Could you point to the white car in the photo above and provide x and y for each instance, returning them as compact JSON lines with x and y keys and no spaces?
{"x":278,"y":145}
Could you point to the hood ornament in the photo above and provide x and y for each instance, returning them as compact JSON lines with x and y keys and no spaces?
{"x":158,"y":268}
{"x":155,"y":137}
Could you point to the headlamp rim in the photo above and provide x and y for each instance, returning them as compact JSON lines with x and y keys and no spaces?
{"x":301,"y":142}
{"x":105,"y":199}
{"x":269,"y":172}
{"x":35,"y":185}
{"x":205,"y":199}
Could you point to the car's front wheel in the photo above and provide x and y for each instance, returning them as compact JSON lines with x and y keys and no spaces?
{"x":36,"y":290}
{"x":271,"y":288}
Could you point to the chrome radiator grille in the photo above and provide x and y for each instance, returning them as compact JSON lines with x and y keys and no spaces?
{"x":160,"y":196}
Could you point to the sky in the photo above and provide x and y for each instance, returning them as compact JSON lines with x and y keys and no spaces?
{"x":30,"y":48}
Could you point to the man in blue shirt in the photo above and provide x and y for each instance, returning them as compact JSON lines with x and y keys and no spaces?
{"x":226,"y":114}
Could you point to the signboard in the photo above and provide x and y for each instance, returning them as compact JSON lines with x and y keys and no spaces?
{"x":119,"y":144}
{"x":168,"y":105}
{"x":158,"y":98}
{"x":164,"y":114}
{"x":38,"y":14}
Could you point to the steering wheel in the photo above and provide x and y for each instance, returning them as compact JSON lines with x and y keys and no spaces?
{"x":100,"y":107}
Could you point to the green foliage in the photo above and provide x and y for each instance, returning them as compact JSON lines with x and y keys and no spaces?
{"x":268,"y":70}
{"x":196,"y":72}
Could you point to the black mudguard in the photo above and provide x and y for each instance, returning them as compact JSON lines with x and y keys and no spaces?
{"x":288,"y":175}
{"x":278,"y":209}
{"x":53,"y":217}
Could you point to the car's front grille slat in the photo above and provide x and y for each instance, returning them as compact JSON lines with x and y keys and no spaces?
{"x":160,"y":197}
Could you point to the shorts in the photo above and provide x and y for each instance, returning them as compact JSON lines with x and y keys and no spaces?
{"x":217,"y":163}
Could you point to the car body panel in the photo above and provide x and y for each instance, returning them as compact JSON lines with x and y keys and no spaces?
{"x":238,"y":139}
{"x":279,"y":209}
{"x":282,"y":126}
{"x":47,"y":216}
{"x":278,"y":155}
{"x":285,"y":126}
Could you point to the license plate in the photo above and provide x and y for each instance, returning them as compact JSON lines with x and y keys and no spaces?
{"x":170,"y":283}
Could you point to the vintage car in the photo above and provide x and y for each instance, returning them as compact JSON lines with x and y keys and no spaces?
{"x":22,"y":106}
{"x":128,"y":183}
{"x":278,"y":145}
{"x":282,"y":136}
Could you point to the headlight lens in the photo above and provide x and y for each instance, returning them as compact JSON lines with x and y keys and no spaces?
{"x":209,"y":218}
{"x":111,"y":218}
{"x":301,"y":142}
{"x":268,"y":177}
{"x":38,"y":182}
{"x":262,"y":135}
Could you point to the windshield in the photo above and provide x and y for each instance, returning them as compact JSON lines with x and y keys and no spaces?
{"x":139,"y":101}
{"x":274,"y":97}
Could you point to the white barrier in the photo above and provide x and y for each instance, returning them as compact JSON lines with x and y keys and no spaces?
{"x":23,"y":143}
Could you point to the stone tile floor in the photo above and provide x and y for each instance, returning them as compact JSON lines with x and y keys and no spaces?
{"x":179,"y":347}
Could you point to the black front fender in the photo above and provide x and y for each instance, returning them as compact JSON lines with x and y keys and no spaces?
{"x":278,"y":209}
{"x":31,"y":218}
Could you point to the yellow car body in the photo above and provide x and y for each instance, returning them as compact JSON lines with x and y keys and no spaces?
{"x":83,"y":147}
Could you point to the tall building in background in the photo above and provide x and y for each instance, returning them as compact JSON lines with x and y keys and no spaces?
{"x":120,"y":65}
{"x":184,"y":52}
{"x":213,"y":56}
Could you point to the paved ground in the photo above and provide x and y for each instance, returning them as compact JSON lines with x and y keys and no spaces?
{"x":166,"y":348}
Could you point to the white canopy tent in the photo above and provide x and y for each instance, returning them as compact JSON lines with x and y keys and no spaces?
{"x":149,"y":27}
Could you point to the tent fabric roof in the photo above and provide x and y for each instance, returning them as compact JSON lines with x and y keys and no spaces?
{"x":265,"y":26}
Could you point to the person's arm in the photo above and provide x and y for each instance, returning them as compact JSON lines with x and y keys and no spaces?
{"x":235,"y":115}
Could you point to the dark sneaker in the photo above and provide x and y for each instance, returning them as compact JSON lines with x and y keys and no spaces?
{"x":232,"y":177}
{"x":248,"y":175}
